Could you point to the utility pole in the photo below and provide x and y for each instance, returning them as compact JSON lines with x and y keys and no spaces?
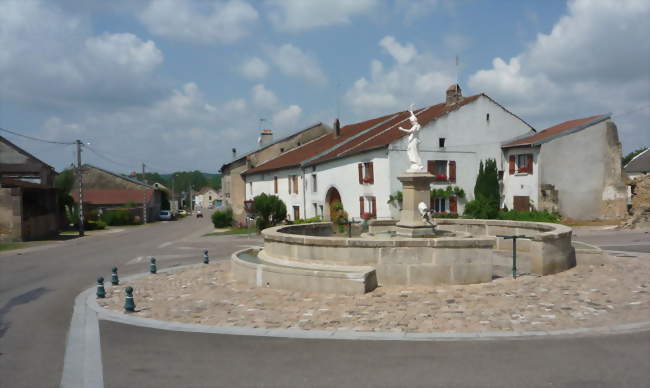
{"x":81,"y":190}
{"x":144,"y":197}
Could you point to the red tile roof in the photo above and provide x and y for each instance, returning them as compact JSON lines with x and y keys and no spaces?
{"x":113,"y":196}
{"x":556,"y":130}
{"x":356,"y":138}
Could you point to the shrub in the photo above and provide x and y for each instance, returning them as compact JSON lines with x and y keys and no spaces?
{"x":94,"y":225}
{"x":445,"y":215}
{"x":118,"y":217}
{"x":308,"y":220}
{"x":532,"y":215}
{"x":269,"y":210}
{"x":482,"y":208}
{"x":222,"y":218}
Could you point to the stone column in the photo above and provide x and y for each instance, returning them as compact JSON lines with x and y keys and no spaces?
{"x":415,"y":189}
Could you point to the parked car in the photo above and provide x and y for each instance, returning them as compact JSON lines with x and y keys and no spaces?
{"x":199,"y":214}
{"x":182,"y":212}
{"x":165,"y":215}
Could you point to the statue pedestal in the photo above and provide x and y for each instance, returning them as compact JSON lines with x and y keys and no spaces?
{"x":416,"y":189}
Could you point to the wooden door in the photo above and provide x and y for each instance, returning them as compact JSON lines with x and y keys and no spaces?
{"x":521,"y":203}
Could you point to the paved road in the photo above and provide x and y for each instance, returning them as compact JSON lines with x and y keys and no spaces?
{"x":38,"y":287}
{"x":172,"y":359}
{"x":612,"y":240}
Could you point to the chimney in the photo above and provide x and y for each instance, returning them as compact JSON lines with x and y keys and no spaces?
{"x":454,"y":95}
{"x":266,"y":137}
{"x":337,"y":128}
{"x":234,"y":153}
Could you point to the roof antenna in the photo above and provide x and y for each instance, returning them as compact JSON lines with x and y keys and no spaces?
{"x":338,"y":99}
{"x":457,"y":70}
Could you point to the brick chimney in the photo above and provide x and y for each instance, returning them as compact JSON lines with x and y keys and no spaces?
{"x":454,"y":95}
{"x":266,"y":137}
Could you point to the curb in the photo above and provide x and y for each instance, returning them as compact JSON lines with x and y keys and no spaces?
{"x":151,"y":323}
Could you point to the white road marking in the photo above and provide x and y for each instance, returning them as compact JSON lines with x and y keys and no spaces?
{"x":165,"y":244}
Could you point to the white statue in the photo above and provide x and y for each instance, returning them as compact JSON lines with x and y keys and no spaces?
{"x":412,"y":149}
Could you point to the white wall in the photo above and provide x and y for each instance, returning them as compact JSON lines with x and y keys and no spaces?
{"x":521,"y":184}
{"x":469,"y":138}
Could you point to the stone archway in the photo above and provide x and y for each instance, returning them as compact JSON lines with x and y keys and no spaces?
{"x":333,"y":196}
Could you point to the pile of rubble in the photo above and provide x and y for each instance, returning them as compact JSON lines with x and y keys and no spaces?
{"x":640,"y":218}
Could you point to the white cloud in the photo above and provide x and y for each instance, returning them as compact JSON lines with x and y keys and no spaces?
{"x":415,"y":9}
{"x":401,"y":53}
{"x":218,"y":22}
{"x":287,"y":118}
{"x":296,"y":15}
{"x":254,"y":68}
{"x":54,"y":59}
{"x":594,"y":60}
{"x":264,"y":98}
{"x":293,"y":62}
{"x":413,"y":78}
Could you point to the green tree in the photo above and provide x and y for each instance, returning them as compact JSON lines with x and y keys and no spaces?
{"x":487,"y":196}
{"x":64,"y":183}
{"x":268,"y":210}
{"x":215,"y":181}
{"x":627,"y":158}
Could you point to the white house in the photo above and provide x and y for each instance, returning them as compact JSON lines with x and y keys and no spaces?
{"x":208,"y":196}
{"x":573,"y":168}
{"x":639,"y":165}
{"x":358,"y":164}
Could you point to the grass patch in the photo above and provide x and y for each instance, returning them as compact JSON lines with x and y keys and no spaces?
{"x":10,"y":246}
{"x":232,"y":231}
{"x":572,"y":222}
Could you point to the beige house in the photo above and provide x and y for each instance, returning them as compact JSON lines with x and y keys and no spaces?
{"x":208,"y":196}
{"x":233,"y":186}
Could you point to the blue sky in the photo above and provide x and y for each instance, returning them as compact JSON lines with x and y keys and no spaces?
{"x":176,"y":83}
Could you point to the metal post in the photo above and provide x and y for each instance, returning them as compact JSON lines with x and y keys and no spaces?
{"x":81,"y":191}
{"x":514,"y":258}
{"x":144,"y":198}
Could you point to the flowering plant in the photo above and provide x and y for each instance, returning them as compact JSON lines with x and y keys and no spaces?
{"x":366,"y":215}
{"x":367,"y":180}
{"x":441,"y":177}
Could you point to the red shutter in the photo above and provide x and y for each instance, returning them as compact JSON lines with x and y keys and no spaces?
{"x":530,"y":163}
{"x":452,"y":171}
{"x":289,"y":182}
{"x":431,"y":165}
{"x":371,"y":173}
{"x":275,"y":185}
{"x":360,"y":173}
{"x":453,"y":205}
{"x":360,"y":206}
{"x":511,"y":167}
{"x":374,"y":207}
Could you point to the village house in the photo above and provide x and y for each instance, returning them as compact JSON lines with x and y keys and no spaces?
{"x":104,"y":190}
{"x":28,"y":199}
{"x":358,"y":164}
{"x":232,"y":182}
{"x":573,"y":168}
{"x":207,"y":197}
{"x":639,"y":165}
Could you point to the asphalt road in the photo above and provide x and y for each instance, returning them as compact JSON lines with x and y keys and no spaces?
{"x":38,"y":287}
{"x":612,"y":240}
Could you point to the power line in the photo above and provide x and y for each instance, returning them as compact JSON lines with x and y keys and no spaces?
{"x":37,"y":139}
{"x":106,"y":158}
{"x":625,"y":113}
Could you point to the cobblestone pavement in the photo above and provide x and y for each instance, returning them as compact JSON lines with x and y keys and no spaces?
{"x":615,"y":292}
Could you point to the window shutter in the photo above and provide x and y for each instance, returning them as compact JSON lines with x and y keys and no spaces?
{"x":275,"y":185}
{"x":371,"y":173}
{"x":530,"y":163}
{"x":374,"y":207}
{"x":360,"y":173}
{"x":360,"y":206}
{"x":453,"y":205}
{"x":295,"y":184}
{"x":431,"y":165}
{"x":511,"y":167}
{"x":289,"y":182}
{"x":452,"y":171}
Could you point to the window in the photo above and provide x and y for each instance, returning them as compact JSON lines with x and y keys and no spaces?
{"x":296,"y":213}
{"x":209,"y":198}
{"x":315,"y":205}
{"x":487,"y":117}
{"x":521,"y":164}
{"x":295,"y":184}
{"x":250,"y":188}
{"x":367,"y":207}
{"x":441,"y":142}
{"x":443,"y":170}
{"x":366,"y":173}
{"x":275,"y":184}
{"x":439,"y":205}
{"x":314,"y":187}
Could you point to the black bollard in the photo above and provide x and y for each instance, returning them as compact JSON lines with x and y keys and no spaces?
{"x":114,"y":279}
{"x":152,"y":266}
{"x":129,"y":305}
{"x":101,"y":292}
{"x":206,"y":259}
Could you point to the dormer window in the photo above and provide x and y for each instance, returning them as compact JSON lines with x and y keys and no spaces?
{"x":441,"y":142}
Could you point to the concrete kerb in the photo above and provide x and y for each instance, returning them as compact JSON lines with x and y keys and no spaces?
{"x":345,"y":334}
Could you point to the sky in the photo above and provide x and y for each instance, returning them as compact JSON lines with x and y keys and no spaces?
{"x":176,"y":84}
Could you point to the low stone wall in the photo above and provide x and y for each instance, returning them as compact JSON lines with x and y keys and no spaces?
{"x":405,"y":261}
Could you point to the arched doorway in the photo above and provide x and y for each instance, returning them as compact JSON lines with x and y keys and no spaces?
{"x":331,"y":198}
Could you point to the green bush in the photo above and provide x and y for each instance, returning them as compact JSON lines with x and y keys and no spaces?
{"x":307,"y":220}
{"x":94,"y":225}
{"x":222,"y":218}
{"x":118,"y":217}
{"x":532,"y":215}
{"x":445,"y":215}
{"x":482,"y":208}
{"x":269,"y":210}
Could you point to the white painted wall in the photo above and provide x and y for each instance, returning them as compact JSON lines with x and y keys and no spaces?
{"x":521,"y":184}
{"x":469,"y":138}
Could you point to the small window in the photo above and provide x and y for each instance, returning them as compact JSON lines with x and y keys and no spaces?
{"x":314,"y":183}
{"x":281,"y":149}
{"x":439,"y":205}
{"x":487,"y":117}
{"x":522,"y":163}
{"x":441,"y":142}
